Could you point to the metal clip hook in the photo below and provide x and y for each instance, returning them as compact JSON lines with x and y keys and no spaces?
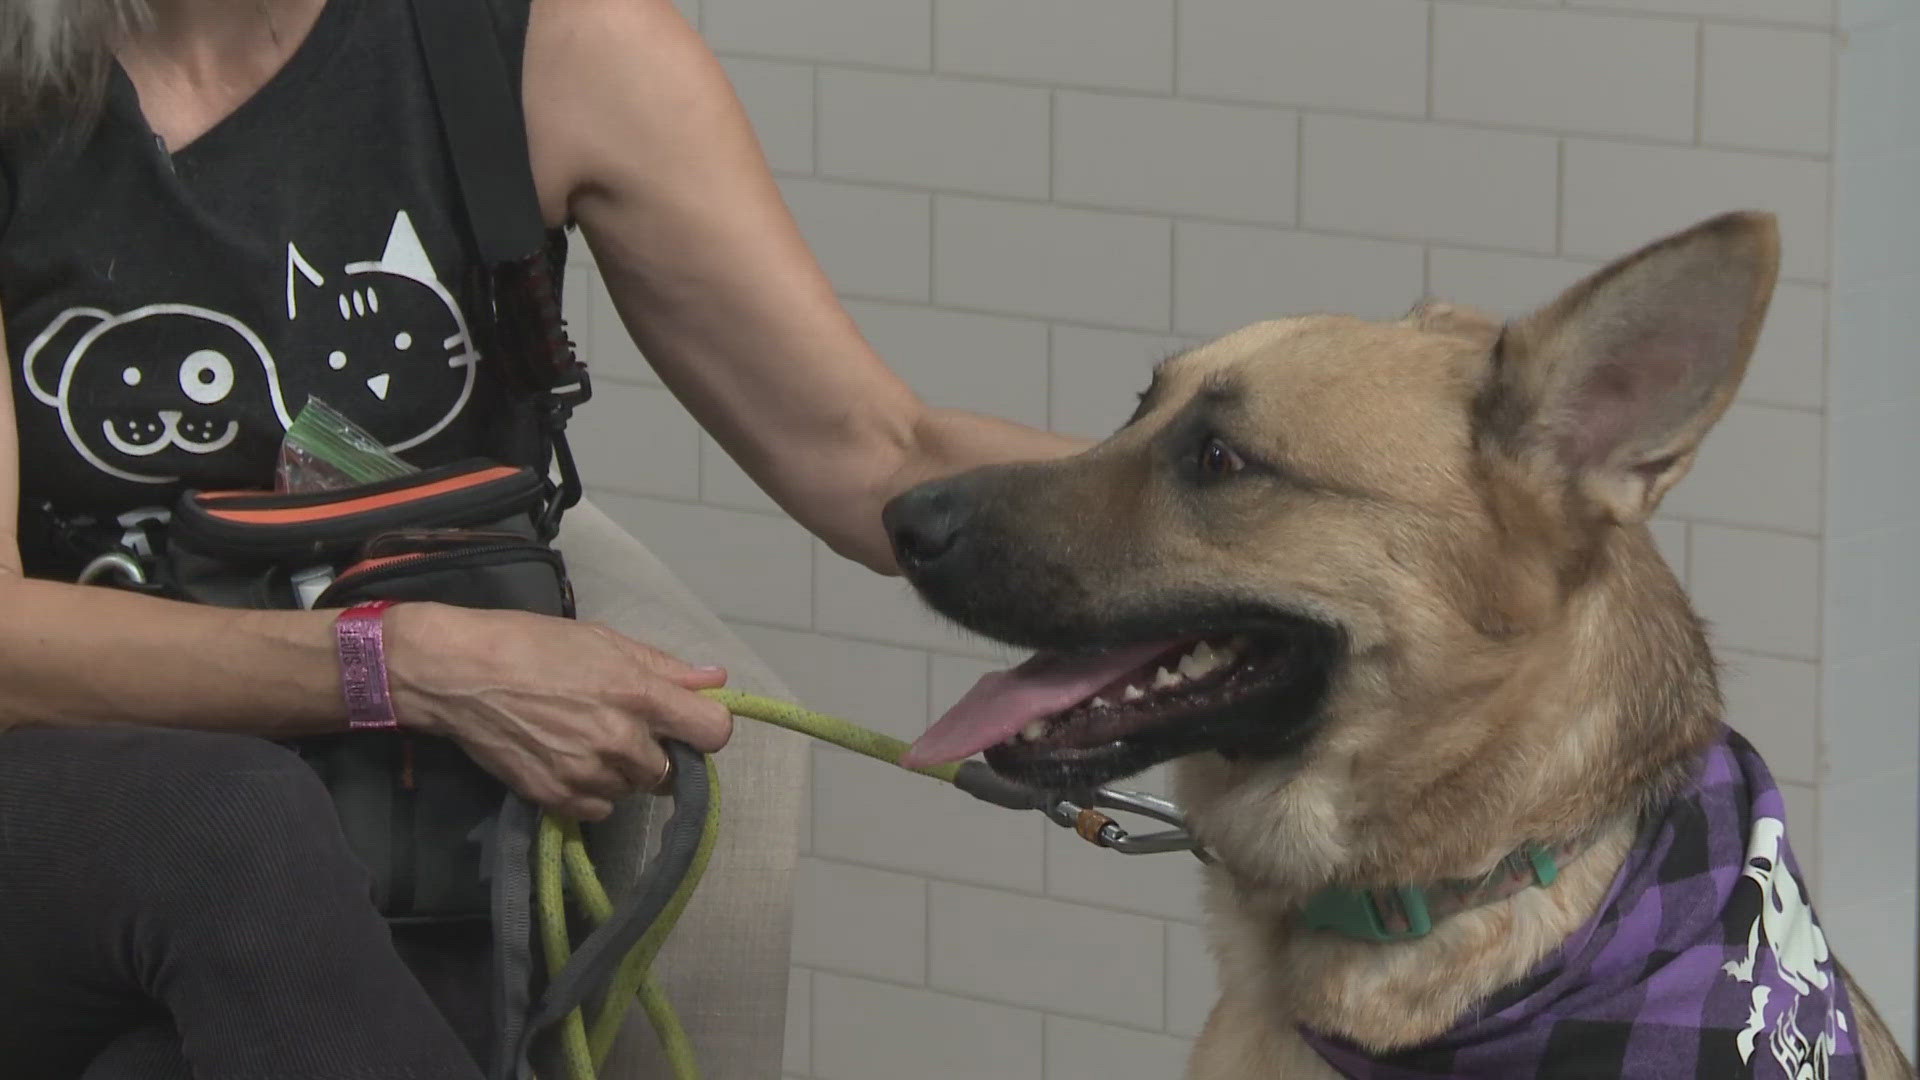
{"x":1102,"y":831}
{"x":117,"y":564}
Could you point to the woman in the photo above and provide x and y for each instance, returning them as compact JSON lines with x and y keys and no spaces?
{"x":209,"y":201}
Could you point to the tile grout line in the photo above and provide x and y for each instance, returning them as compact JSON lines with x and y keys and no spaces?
{"x":926,"y":944}
{"x":1137,"y":212}
{"x":1000,"y":1003}
{"x":1560,"y":199}
{"x":1166,"y":977}
{"x":1140,"y":215}
{"x":1433,"y":23}
{"x":934,"y":202}
{"x":1351,"y":112}
{"x":1299,"y":169}
{"x":813,"y":1021}
{"x":1053,"y":389}
{"x":1700,"y":82}
{"x":934,"y":878}
{"x":814,"y":142}
{"x":1053,"y":144}
{"x":1173,"y":42}
{"x":1173,"y":276}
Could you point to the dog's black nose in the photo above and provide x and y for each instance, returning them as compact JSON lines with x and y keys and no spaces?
{"x":925,"y":523}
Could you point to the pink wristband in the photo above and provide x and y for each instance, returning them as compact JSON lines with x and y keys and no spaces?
{"x":360,"y":641}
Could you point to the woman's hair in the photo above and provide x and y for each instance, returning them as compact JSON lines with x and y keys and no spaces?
{"x":55,"y":55}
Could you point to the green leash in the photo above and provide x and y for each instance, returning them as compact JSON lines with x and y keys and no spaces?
{"x":561,"y":859}
{"x":1377,"y":915}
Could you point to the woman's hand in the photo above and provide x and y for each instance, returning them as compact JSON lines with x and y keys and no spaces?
{"x":569,"y":714}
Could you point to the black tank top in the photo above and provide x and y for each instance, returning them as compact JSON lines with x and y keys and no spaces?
{"x":168,"y":315}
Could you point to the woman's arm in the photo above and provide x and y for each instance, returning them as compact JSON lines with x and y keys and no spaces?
{"x":94,"y":655}
{"x":567,"y":713}
{"x":637,"y":134}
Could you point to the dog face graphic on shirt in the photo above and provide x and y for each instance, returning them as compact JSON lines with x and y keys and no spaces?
{"x":157,"y":391}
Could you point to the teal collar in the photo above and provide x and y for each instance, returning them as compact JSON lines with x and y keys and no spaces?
{"x":1409,"y":912}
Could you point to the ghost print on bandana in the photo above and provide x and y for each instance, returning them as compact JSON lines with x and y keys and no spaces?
{"x":169,"y":389}
{"x":1785,"y":938}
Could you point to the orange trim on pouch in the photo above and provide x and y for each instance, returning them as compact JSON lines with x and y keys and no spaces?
{"x":295,"y":515}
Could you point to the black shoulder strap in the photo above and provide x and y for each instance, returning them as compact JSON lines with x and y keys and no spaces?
{"x":485,"y":130}
{"x":478,"y":99}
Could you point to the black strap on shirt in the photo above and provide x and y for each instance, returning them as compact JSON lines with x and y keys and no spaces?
{"x":485,"y":131}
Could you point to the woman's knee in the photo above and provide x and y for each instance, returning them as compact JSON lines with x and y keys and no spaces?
{"x":206,"y":808}
{"x":250,"y":808}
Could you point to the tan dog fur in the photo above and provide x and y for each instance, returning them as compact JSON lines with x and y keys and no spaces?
{"x":1468,"y":500}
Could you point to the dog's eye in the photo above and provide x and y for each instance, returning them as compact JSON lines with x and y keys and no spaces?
{"x":1218,"y":459}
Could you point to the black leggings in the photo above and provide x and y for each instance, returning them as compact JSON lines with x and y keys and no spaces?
{"x":179,"y":904}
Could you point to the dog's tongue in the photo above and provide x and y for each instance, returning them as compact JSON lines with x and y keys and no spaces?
{"x":1004,"y":702}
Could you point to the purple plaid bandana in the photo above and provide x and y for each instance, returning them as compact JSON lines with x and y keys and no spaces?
{"x":1704,"y":960}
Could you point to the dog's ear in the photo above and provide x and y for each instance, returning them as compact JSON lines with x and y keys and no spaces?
{"x":1612,"y":386}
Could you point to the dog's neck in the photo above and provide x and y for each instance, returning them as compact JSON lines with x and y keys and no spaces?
{"x":1383,"y":996}
{"x":1579,"y":753}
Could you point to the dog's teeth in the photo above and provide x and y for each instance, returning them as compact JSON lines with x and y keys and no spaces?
{"x":1198,"y":662}
{"x":1132,"y":693}
{"x":1162,"y":679}
{"x":1099,"y":703}
{"x":1033,"y":731}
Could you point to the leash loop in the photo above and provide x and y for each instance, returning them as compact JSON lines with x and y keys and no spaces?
{"x":563,"y":859}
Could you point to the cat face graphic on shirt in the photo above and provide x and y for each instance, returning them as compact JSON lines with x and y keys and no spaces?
{"x":383,"y":341}
{"x":160,"y":390}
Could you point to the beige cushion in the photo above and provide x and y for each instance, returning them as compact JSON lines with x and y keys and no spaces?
{"x":726,"y":965}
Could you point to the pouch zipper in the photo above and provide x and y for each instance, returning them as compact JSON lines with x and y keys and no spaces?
{"x":358,"y":573}
{"x":200,"y":528}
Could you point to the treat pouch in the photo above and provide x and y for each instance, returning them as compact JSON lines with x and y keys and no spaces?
{"x":418,"y":811}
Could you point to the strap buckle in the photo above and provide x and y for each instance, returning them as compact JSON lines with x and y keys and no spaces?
{"x":556,"y":410}
{"x":1357,"y":913}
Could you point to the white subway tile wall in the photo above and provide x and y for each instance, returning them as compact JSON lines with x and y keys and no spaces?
{"x":1027,"y":203}
{"x":1427,"y":181}
{"x":1088,"y":266}
{"x":1615,"y":191}
{"x":1560,"y":71}
{"x":1767,"y":89}
{"x":935,"y":132}
{"x":1111,"y":44}
{"x":1162,"y":155}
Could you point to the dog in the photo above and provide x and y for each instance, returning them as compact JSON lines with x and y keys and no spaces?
{"x":1440,"y":713}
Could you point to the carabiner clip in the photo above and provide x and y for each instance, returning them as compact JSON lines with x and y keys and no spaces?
{"x":117,"y":564}
{"x":1102,"y":831}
